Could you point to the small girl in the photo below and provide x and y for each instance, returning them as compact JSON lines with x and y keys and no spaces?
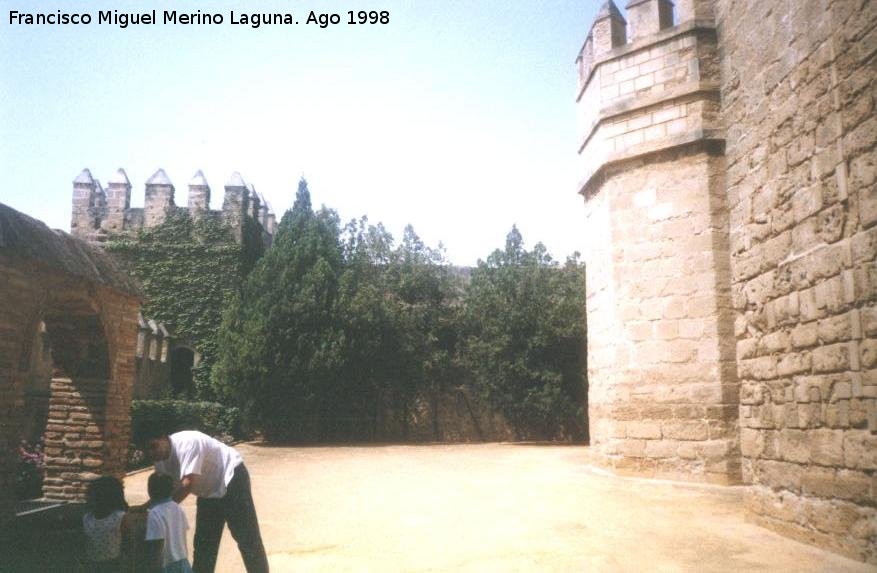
{"x":103,"y":524}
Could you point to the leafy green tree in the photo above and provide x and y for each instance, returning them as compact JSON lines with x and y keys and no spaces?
{"x":338,"y":333}
{"x":280,"y":340}
{"x":373,"y":373}
{"x":429,"y":318}
{"x":393,"y":307}
{"x":525,"y":338}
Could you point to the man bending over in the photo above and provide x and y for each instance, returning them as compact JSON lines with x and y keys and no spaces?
{"x":215,"y":473}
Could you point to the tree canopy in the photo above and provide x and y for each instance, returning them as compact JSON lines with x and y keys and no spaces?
{"x":525,"y":337}
{"x":339,"y":330}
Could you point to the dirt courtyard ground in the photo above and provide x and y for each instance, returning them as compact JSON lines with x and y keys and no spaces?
{"x":492,"y":508}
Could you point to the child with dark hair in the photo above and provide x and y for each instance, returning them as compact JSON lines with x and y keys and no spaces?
{"x":166,"y":528}
{"x":103,"y":523}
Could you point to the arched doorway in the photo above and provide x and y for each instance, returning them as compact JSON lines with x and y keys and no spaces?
{"x":65,"y":366}
{"x":182,"y":361}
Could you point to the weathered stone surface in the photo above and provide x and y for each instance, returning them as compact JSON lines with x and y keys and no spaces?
{"x":860,"y":450}
{"x":868,"y":353}
{"x":792,"y":207}
{"x":819,"y":165}
{"x":686,"y":430}
{"x":826,"y":447}
{"x":648,"y":430}
{"x":831,"y":358}
{"x":673,"y":330}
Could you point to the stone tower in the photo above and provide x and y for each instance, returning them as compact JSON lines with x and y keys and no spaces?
{"x":663,"y":397}
{"x":83,"y":219}
{"x":118,"y":201}
{"x":727,"y":161}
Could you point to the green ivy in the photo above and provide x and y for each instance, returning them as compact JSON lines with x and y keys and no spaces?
{"x":190,"y":271}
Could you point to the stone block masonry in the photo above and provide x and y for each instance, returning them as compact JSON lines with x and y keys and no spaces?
{"x":663,"y":392}
{"x":798,"y":85}
{"x":728,"y":166}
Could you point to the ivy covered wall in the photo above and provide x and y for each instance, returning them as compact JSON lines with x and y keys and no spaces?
{"x":190,"y":270}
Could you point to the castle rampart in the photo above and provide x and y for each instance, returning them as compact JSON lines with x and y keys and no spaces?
{"x":164,"y":359}
{"x":727,"y":165}
{"x":100,"y":213}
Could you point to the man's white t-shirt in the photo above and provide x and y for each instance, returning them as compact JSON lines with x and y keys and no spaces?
{"x":196,"y":453}
{"x":168,"y":522}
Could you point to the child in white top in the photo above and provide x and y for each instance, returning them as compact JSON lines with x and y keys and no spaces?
{"x":102,"y":524}
{"x":166,"y":527}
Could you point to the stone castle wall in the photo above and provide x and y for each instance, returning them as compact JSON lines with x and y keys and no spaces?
{"x":798,"y":91}
{"x":100,"y":213}
{"x":454,"y":416}
{"x":663,"y":394}
{"x":728,"y":168}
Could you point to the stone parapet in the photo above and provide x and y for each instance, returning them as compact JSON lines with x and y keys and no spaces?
{"x":659,"y":92}
{"x":98,"y":215}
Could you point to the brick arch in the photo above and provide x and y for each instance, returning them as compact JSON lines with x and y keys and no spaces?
{"x":89,"y":309}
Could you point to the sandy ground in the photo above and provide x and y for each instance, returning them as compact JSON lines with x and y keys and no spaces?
{"x":492,"y":508}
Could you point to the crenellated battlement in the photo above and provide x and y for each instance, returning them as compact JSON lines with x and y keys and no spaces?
{"x":99,"y":213}
{"x":646,"y":85}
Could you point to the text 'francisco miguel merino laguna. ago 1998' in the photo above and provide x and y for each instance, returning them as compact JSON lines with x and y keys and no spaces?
{"x":172,"y":17}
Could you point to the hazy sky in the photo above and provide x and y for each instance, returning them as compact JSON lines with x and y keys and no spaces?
{"x":457,"y":117}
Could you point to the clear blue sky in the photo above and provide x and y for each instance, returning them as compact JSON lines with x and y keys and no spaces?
{"x":458,"y":117}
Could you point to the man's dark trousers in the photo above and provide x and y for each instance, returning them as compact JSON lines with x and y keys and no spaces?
{"x":235,"y":508}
